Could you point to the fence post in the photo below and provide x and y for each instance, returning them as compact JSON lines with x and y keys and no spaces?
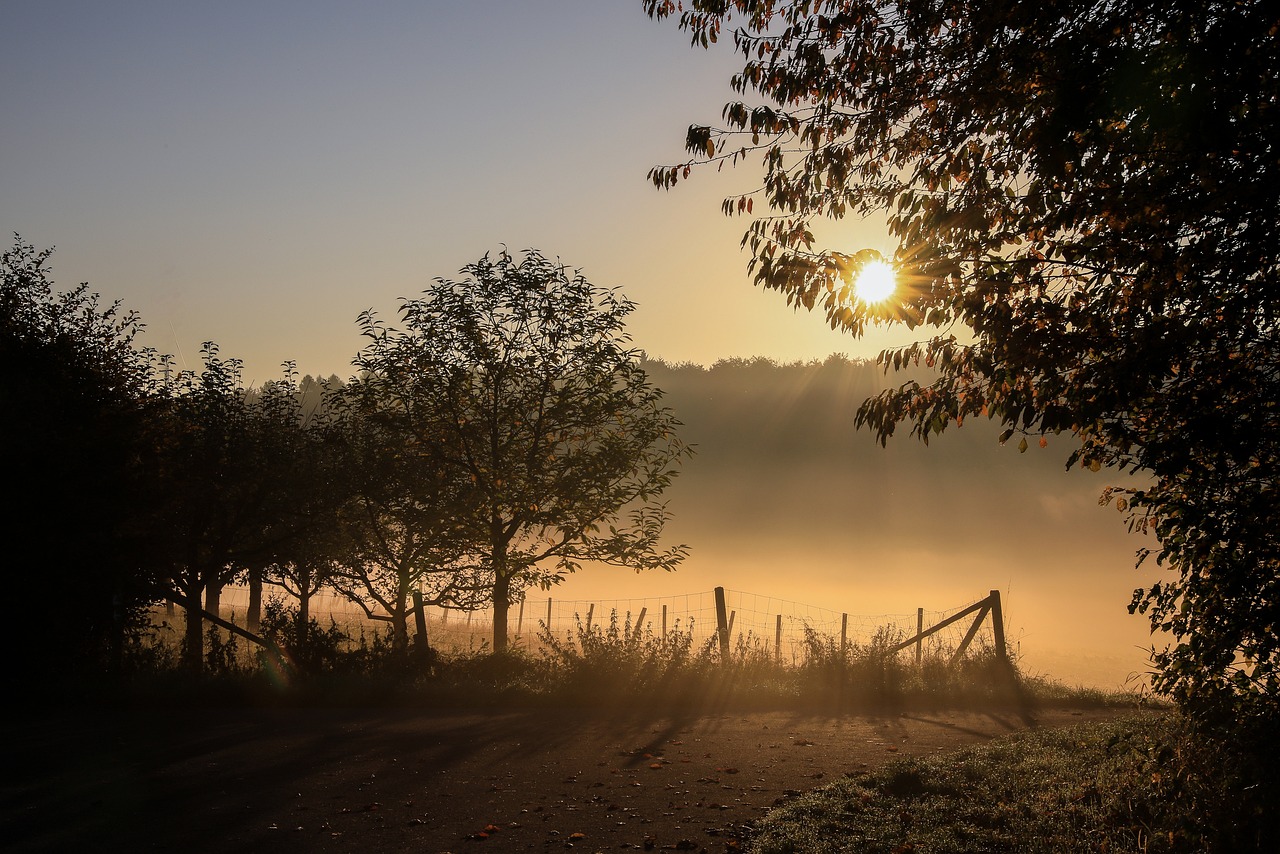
{"x":722,"y":625}
{"x":591,"y":609}
{"x":664,"y":621}
{"x":639,"y":624}
{"x":919,"y":631}
{"x":548,"y":613}
{"x":520,"y":619}
{"x":777,"y":640}
{"x":844,"y":634}
{"x":997,"y":626}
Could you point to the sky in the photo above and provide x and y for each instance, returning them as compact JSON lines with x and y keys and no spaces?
{"x":257,"y":174}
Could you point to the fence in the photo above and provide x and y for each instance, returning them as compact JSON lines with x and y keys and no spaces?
{"x":780,"y":627}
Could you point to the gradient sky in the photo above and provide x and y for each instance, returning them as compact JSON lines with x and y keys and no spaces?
{"x":258,"y":173}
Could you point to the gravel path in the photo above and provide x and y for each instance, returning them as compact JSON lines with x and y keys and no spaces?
{"x":225,"y":780}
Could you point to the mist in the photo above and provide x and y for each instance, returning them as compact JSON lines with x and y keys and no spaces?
{"x":785,"y":498}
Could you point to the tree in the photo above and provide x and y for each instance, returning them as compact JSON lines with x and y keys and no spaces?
{"x":1085,"y":199}
{"x":234,"y":481}
{"x":520,"y":378}
{"x":73,"y":390}
{"x":400,"y":528}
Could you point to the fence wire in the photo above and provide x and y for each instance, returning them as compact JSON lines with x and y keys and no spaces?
{"x":780,"y":627}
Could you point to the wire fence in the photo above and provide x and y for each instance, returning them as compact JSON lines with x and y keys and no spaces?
{"x":782,"y":628}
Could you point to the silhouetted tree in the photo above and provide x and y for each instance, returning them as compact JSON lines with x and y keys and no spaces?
{"x":236,"y":480}
{"x":1089,"y":191}
{"x":73,"y":390}
{"x":518,"y":378}
{"x":399,"y":530}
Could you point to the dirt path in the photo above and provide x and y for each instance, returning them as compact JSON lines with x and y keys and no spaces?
{"x":402,"y":780}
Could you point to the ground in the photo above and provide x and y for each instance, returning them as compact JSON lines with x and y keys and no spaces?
{"x":361,"y":779}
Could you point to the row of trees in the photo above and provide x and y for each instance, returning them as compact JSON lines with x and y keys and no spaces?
{"x":1085,"y":198}
{"x":501,"y":436}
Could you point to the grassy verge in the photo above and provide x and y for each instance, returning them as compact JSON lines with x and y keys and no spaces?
{"x":1134,"y":784}
{"x":595,"y":664}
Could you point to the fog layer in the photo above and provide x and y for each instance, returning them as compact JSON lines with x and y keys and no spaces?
{"x":786,"y":499}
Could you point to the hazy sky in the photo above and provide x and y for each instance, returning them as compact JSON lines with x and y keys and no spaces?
{"x":257,"y":173}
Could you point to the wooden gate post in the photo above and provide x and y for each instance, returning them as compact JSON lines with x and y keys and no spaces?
{"x":919,"y":631}
{"x":722,"y":625}
{"x":997,"y":626}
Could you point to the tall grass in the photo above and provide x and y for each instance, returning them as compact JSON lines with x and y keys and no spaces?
{"x":613,"y":660}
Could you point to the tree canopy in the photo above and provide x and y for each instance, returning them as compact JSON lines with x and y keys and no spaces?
{"x":1085,"y":200}
{"x":72,"y":398}
{"x":518,"y":377}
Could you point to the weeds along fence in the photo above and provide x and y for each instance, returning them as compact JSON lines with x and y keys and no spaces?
{"x":735,"y":621}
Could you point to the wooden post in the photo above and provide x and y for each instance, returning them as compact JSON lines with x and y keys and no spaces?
{"x":919,"y":631}
{"x":420,"y":620}
{"x":520,"y":619}
{"x":591,"y":609}
{"x":997,"y":626}
{"x":777,"y":640}
{"x":639,"y":623}
{"x":664,"y":621}
{"x":722,"y":625}
{"x":548,"y":613}
{"x":973,"y":631}
{"x":732,"y":616}
{"x":844,"y":635}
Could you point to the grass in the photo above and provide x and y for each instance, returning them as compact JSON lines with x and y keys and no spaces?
{"x":601,"y":663}
{"x":1133,"y":784}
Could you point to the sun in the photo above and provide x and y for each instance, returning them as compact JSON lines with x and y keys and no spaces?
{"x":875,"y":282}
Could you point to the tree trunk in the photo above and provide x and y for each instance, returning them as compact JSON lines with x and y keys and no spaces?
{"x":501,"y":604}
{"x":304,"y":608}
{"x":400,"y":618}
{"x":193,"y":639}
{"x":213,"y":601}
{"x":253,"y":617}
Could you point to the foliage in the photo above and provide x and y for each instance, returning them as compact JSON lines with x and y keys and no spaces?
{"x":237,"y":480}
{"x":401,"y":528}
{"x":1085,"y":189}
{"x":315,"y":649}
{"x":518,"y":379}
{"x":72,"y":396}
{"x":1136,"y":784}
{"x":626,"y":659}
